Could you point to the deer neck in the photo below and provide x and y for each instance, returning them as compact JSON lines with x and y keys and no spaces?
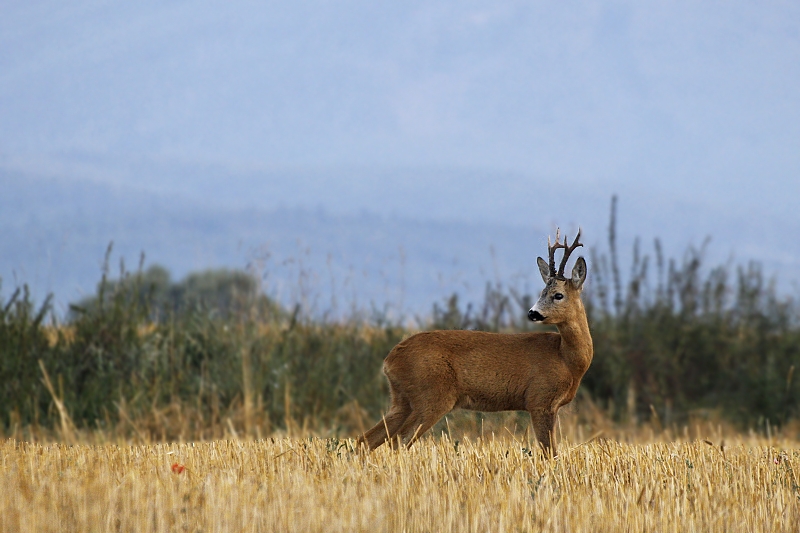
{"x":576,"y":343}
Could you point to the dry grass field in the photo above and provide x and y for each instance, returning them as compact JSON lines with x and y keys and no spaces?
{"x":500,"y":482}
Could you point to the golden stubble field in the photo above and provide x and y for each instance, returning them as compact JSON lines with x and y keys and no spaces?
{"x":482,"y":484}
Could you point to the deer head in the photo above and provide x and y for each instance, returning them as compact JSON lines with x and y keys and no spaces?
{"x":561,"y":298}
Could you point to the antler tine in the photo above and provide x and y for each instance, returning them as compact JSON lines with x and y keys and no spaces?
{"x":551,"y":250}
{"x":567,"y":251}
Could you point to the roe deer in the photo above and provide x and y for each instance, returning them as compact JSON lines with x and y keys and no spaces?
{"x":433,"y":372}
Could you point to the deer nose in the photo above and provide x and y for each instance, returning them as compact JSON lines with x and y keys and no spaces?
{"x":535,"y":316}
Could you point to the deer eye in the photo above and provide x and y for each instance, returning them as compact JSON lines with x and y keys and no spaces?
{"x":558,"y":296}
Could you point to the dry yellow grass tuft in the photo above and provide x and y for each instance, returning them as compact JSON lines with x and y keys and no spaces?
{"x":492,"y":484}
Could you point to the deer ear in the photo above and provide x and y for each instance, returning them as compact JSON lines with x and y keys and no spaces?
{"x":579,"y":273}
{"x":544,"y":269}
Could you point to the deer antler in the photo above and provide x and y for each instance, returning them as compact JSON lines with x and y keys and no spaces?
{"x":568,"y":249}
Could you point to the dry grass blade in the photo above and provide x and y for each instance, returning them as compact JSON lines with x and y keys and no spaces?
{"x":67,"y":426}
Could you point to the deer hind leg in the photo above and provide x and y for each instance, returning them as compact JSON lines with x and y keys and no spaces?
{"x":543,"y":424}
{"x":421,"y":420}
{"x":388,"y":426}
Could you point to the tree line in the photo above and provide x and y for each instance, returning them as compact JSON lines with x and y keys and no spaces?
{"x":674,"y":337}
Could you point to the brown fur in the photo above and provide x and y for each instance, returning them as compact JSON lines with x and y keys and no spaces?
{"x":433,"y":372}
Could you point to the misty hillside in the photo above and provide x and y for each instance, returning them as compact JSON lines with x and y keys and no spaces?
{"x":56,"y":233}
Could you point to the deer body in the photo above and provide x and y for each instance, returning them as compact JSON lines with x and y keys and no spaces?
{"x":432,"y":373}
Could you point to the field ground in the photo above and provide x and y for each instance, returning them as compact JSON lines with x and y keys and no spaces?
{"x":498,"y":482}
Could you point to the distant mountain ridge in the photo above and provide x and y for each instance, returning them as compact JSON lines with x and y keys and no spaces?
{"x":56,"y":231}
{"x":56,"y":234}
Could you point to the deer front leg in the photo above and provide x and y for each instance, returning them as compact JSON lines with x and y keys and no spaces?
{"x":543,"y":424}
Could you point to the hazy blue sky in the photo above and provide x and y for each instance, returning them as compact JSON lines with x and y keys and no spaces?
{"x":584,"y":90}
{"x":512,"y":112}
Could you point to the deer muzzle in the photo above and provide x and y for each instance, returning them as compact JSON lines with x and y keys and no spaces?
{"x":535,"y":316}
